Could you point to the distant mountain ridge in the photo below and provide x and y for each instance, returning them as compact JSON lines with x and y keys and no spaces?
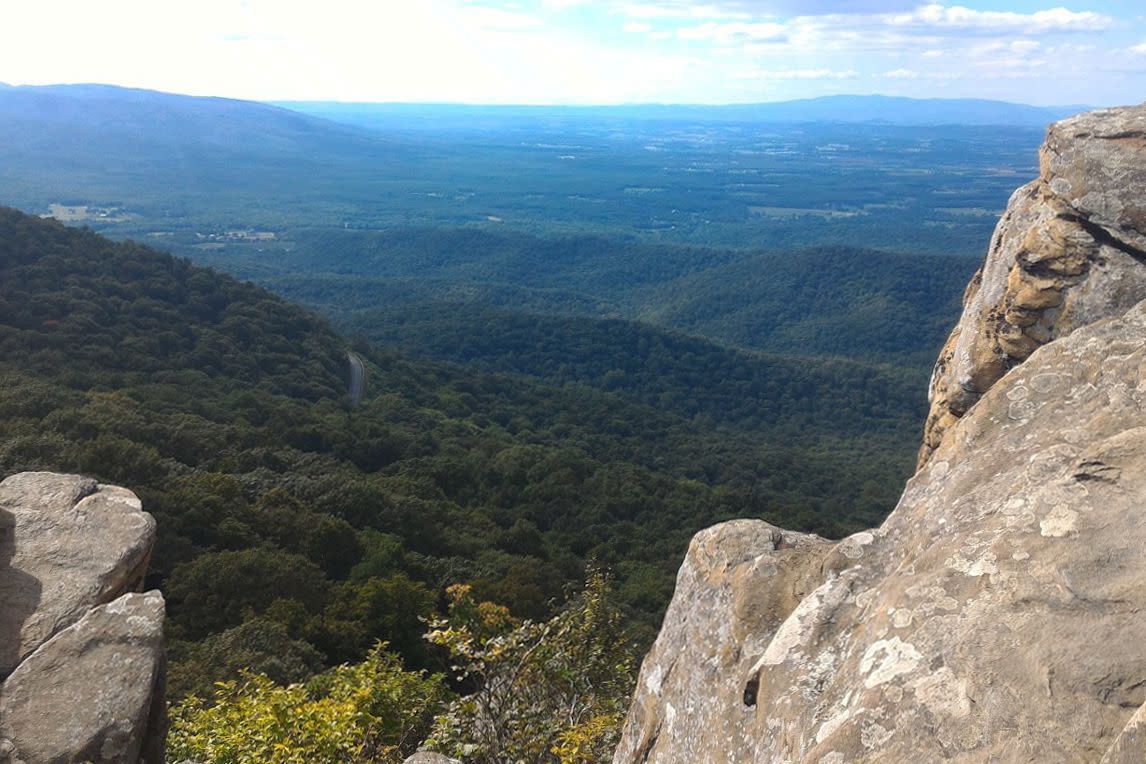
{"x":149,"y":163}
{"x":877,"y":109}
{"x":171,"y":156}
{"x":896,"y":110}
{"x":113,"y":112}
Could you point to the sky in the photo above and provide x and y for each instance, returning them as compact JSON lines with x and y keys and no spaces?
{"x":586,"y":52}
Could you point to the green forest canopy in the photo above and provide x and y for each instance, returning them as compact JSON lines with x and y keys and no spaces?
{"x":296,"y":530}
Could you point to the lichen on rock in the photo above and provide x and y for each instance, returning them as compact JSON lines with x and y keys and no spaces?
{"x":995,"y":615}
{"x":1068,"y":251}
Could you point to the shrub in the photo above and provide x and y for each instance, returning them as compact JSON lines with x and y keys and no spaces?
{"x":544,"y":692}
{"x":372,"y":711}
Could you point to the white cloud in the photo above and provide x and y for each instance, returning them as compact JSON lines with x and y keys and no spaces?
{"x":912,"y":74}
{"x":682,"y":10}
{"x":988,"y":48}
{"x":823,"y":7}
{"x":743,"y":9}
{"x":930,"y":31}
{"x":552,"y":51}
{"x":734,"y":31}
{"x":796,"y":74}
{"x":1025,"y":46}
{"x":957,"y":17}
{"x":934,"y":28}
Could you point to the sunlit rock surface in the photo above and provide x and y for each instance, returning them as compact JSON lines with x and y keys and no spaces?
{"x":81,"y":654}
{"x":1068,"y":251}
{"x":996,"y":614}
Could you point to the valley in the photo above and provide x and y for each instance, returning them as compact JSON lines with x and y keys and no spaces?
{"x":571,"y":382}
{"x":226,"y":409}
{"x":583,"y":337}
{"x":353,"y":366}
{"x":190,"y":168}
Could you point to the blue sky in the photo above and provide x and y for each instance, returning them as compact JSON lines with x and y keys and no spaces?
{"x":584,"y":51}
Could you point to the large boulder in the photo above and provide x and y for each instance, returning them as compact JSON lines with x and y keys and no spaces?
{"x":996,"y":614}
{"x":91,"y":690}
{"x":1068,"y":251}
{"x":1096,"y":162}
{"x":66,"y":544}
{"x":738,"y":583}
{"x":81,"y":657}
{"x":1130,"y":745}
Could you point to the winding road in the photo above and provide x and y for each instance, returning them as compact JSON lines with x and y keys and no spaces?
{"x":357,"y":377}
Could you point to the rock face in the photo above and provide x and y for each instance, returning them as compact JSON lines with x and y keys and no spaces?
{"x":81,"y":656}
{"x":1068,"y":251}
{"x":996,"y":614}
{"x":740,"y":580}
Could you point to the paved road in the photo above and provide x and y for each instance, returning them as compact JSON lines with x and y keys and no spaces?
{"x":357,"y":377}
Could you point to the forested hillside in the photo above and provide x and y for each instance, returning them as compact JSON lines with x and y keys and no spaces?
{"x":296,"y":530}
{"x":839,"y":301}
{"x":777,"y":396}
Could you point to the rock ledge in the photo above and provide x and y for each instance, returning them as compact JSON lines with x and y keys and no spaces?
{"x":996,"y":614}
{"x":81,"y":654}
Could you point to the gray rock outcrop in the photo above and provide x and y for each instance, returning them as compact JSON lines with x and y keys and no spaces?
{"x":996,"y":615}
{"x":1068,"y":251}
{"x":740,"y":580}
{"x":425,"y":757}
{"x":81,"y":654}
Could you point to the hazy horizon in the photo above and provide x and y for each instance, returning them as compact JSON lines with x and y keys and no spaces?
{"x":587,"y":105}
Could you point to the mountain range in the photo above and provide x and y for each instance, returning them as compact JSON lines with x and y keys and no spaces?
{"x":874,"y":109}
{"x":775,"y":176}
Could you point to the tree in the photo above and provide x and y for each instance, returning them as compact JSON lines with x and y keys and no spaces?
{"x":259,"y":646}
{"x":543,"y":692}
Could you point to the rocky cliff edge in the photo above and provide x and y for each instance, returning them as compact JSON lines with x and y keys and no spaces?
{"x":81,"y":653}
{"x":997,"y":614}
{"x":1067,"y":252}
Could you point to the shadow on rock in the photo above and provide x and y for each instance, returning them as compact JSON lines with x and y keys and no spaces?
{"x":19,"y":596}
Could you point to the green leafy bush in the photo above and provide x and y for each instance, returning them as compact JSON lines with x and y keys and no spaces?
{"x":554,"y":691}
{"x":546,"y":692}
{"x":374,"y":711}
